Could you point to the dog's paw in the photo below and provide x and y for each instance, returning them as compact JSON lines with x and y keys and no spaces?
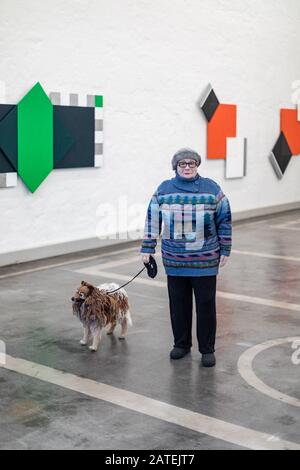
{"x":109,"y":333}
{"x":92,"y":348}
{"x":121,"y":338}
{"x":82,"y":342}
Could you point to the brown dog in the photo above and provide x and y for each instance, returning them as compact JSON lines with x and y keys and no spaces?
{"x":96,"y":309}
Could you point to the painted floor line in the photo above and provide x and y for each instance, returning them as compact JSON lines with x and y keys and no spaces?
{"x":63,"y":263}
{"x":136,"y":259}
{"x":282,"y":227}
{"x":247,"y":224}
{"x":246,"y":370}
{"x":129,"y":260}
{"x":259,"y":301}
{"x":92,"y":271}
{"x":120,"y":262}
{"x":265,"y":255}
{"x":293,"y":222}
{"x":198,"y":422}
{"x":287,"y":223}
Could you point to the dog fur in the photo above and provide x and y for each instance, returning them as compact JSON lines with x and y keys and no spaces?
{"x":96,"y":309}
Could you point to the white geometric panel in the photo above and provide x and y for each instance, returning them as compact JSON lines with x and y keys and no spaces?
{"x":204,"y":95}
{"x":8,"y":180}
{"x":235,"y":163}
{"x":11,"y":180}
{"x":98,"y":161}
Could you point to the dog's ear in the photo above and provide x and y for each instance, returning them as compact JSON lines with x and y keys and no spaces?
{"x":89,"y":286}
{"x":83,"y":283}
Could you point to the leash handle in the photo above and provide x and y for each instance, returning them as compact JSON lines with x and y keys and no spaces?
{"x":115,"y":290}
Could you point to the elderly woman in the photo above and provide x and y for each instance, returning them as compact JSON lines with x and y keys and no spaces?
{"x":196,"y":241}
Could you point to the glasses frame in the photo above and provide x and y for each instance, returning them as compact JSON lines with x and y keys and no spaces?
{"x":192,"y":164}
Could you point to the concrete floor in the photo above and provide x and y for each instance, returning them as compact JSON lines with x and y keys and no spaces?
{"x":258,"y":300}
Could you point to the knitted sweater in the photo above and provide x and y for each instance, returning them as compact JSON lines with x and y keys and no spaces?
{"x":197,"y":227}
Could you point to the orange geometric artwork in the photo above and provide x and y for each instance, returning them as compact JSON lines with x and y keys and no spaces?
{"x":290,"y":126}
{"x":221,"y":126}
{"x":222,"y":139}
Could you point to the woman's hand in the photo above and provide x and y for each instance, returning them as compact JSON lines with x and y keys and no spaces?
{"x":146,"y":257}
{"x":223,"y":260}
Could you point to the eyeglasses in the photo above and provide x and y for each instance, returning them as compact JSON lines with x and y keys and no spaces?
{"x":184,"y":164}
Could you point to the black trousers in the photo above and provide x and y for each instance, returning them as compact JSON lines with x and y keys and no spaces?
{"x":180,"y":289}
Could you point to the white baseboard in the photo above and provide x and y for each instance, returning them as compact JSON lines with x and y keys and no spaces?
{"x":270,"y":210}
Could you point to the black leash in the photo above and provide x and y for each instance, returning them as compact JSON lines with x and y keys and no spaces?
{"x":151,"y":270}
{"x":115,"y":290}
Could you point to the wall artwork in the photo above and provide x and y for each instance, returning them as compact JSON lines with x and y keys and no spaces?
{"x":43,"y":133}
{"x":288,"y":142}
{"x":222,"y":139}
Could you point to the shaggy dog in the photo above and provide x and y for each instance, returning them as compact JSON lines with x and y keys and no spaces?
{"x":96,"y":309}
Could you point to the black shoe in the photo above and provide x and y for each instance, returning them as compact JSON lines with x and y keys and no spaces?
{"x":178,"y":353}
{"x":208,"y":360}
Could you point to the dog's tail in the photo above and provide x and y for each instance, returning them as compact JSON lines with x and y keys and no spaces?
{"x":128,"y":317}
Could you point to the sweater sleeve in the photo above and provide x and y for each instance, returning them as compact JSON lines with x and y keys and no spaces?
{"x":223,"y":223}
{"x":153,"y":224}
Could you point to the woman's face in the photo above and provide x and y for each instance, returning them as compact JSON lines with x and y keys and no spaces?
{"x":183,"y":169}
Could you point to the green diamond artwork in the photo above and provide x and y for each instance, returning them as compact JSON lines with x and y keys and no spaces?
{"x":42,"y":133}
{"x":35,"y":137}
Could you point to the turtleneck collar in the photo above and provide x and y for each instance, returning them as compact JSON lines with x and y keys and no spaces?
{"x":186,"y":180}
{"x":187,"y":184}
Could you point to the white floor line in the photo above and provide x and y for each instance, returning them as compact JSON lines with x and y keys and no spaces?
{"x":121,"y":262}
{"x":293,"y":222}
{"x":235,"y":434}
{"x":245,"y":344}
{"x":64,"y":263}
{"x":282,"y":227}
{"x":265,"y":255}
{"x":288,"y":223}
{"x":259,"y":301}
{"x":246,"y":371}
{"x":129,"y":260}
{"x":223,"y":295}
{"x":94,"y":271}
{"x":137,"y":259}
{"x":248,"y":224}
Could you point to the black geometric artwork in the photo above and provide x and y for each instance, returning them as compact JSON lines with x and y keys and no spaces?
{"x":281,"y":155}
{"x":8,"y":138}
{"x":75,"y":121}
{"x":209,"y":104}
{"x":69,"y":152}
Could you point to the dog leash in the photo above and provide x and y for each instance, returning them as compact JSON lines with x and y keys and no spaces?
{"x":115,"y":290}
{"x":151,"y":267}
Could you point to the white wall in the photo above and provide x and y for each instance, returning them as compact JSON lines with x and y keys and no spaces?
{"x":151,"y":59}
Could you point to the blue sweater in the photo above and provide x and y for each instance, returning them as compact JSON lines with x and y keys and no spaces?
{"x":197,"y":227}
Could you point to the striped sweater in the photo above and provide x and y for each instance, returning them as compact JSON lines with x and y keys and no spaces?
{"x":194,"y":217}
